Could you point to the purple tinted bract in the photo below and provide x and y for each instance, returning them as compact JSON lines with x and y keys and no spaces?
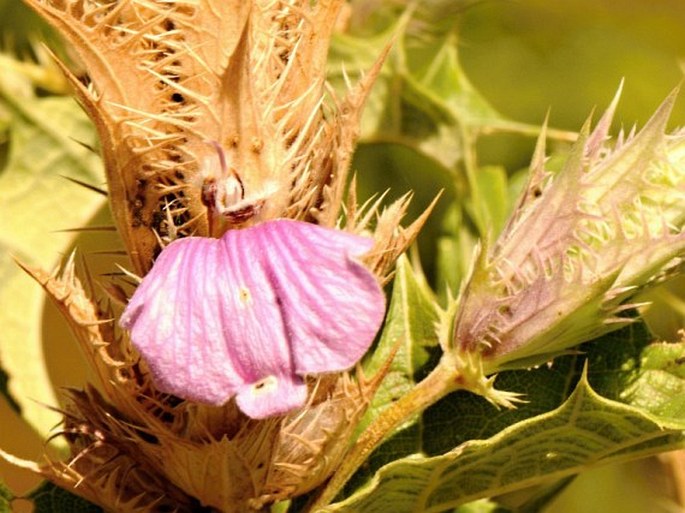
{"x":249,"y":314}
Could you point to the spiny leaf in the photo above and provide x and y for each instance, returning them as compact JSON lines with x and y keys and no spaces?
{"x":597,"y":232}
{"x":48,"y":498}
{"x":410,"y":331}
{"x":585,"y":430}
{"x":423,"y":105}
{"x":424,"y":99}
{"x":474,"y":451}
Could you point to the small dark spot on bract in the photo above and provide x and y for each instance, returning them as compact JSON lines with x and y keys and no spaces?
{"x":157,"y":219}
{"x":177,"y":97}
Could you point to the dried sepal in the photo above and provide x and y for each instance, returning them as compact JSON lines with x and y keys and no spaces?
{"x":347,"y":117}
{"x":313,"y":441}
{"x":104,"y":466}
{"x":193,"y":99}
{"x":91,"y":322}
{"x":385,"y":223}
{"x":188,"y":455}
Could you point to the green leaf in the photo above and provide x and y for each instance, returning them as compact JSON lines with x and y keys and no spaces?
{"x":422,"y":99}
{"x":490,"y":201}
{"x":5,"y":499}
{"x":660,"y":385}
{"x":435,"y":75}
{"x":424,"y":104}
{"x":535,"y":498}
{"x":410,"y":331}
{"x":44,"y":136}
{"x":434,"y":84}
{"x":586,"y":429}
{"x":48,"y":498}
{"x":473,"y":451}
{"x":454,"y":252}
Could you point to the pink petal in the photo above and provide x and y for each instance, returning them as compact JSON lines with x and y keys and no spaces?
{"x":248,"y":314}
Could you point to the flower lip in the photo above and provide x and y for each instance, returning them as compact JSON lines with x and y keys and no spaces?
{"x":249,"y":314}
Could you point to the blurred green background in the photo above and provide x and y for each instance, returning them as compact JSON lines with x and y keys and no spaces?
{"x":525,"y":58}
{"x":529,"y":56}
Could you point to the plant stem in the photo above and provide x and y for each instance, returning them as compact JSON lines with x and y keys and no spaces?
{"x":441,"y":381}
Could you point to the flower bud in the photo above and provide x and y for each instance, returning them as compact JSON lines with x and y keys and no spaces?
{"x":580,"y":244}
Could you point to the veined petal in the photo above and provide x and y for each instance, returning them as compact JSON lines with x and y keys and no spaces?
{"x":327,"y":298}
{"x":252,"y":312}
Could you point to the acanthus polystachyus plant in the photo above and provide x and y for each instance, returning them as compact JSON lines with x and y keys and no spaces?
{"x":225,"y":383}
{"x":225,"y":377}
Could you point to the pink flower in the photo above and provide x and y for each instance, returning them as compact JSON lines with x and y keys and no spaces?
{"x":249,"y":314}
